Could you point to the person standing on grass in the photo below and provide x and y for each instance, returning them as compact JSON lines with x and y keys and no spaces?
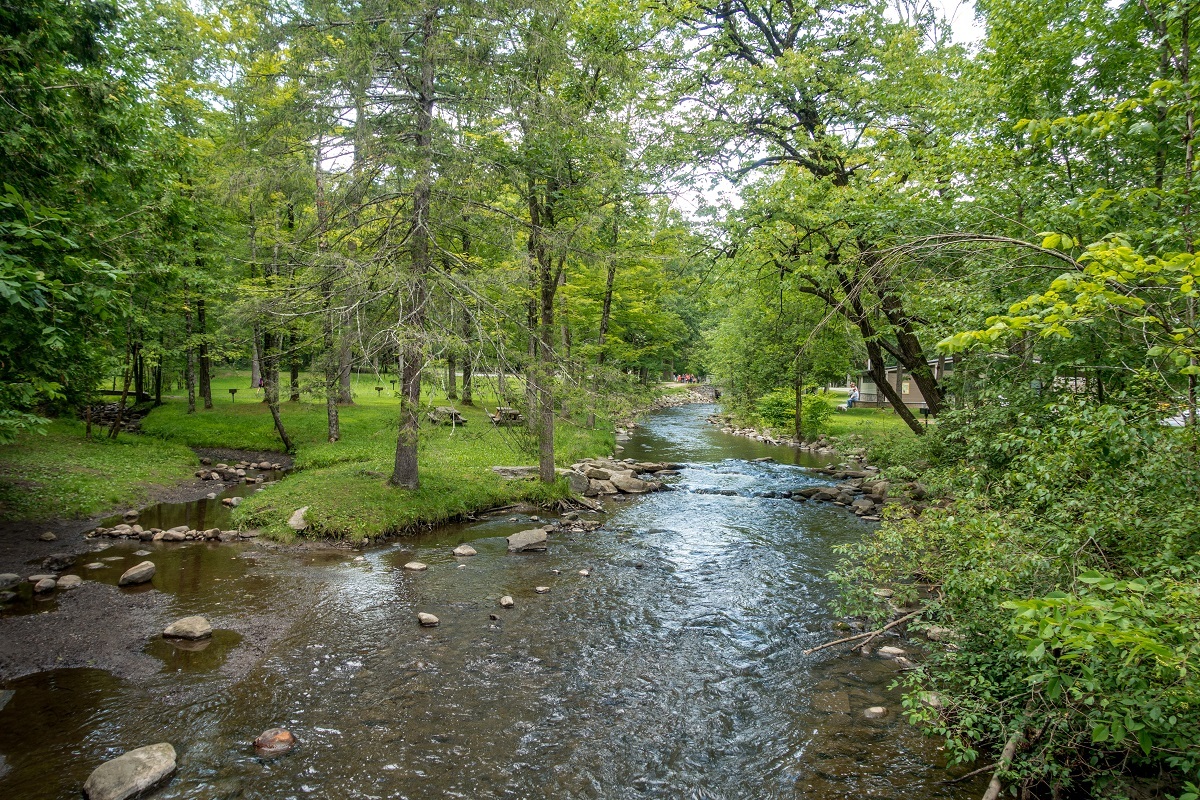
{"x":853,"y":398}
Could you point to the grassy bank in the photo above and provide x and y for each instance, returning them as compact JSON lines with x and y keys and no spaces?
{"x":344,"y":484}
{"x":63,"y":475}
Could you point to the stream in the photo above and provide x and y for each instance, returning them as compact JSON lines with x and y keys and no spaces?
{"x":673,"y":670}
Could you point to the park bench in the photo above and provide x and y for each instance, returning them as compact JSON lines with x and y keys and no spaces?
{"x":506,"y":416}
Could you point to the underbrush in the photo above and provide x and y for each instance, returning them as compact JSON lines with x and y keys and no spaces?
{"x":1068,"y":568}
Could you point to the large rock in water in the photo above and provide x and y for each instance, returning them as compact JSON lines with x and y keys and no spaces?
{"x":8,"y":580}
{"x":630,"y":485}
{"x":131,"y":774}
{"x":189,"y":628}
{"x":57,"y":562}
{"x":138,"y":573}
{"x":525,"y":541}
{"x":275,"y":740}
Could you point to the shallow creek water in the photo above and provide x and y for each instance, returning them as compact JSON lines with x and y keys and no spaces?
{"x":673,"y":670}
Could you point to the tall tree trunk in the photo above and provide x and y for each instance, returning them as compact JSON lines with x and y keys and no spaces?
{"x":879,"y":376}
{"x":329,"y":356}
{"x":330,"y":361}
{"x":345,"y":360}
{"x":405,"y":473}
{"x":605,"y":317}
{"x":294,"y":369}
{"x":202,"y":350}
{"x":467,"y":366}
{"x":190,"y":368}
{"x":256,"y":333}
{"x":255,"y":359}
{"x":798,"y":385}
{"x":540,"y":214}
{"x":116,"y":425}
{"x":451,"y":377}
{"x":271,"y":385}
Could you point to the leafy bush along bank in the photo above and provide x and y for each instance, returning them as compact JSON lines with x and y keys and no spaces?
{"x":1068,"y":569}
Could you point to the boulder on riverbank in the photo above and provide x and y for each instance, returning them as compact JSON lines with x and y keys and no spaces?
{"x":131,"y":774}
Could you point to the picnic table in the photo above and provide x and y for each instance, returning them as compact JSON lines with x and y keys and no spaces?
{"x":506,"y":416}
{"x":447,"y":415}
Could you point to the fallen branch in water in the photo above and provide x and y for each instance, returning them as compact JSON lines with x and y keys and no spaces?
{"x":868,"y":635}
{"x":972,"y":773}
{"x":1006,"y":757}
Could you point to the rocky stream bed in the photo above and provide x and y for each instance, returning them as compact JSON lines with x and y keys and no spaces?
{"x":649,"y":644}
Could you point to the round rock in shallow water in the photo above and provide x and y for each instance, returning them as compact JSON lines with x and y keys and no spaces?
{"x":189,"y":628}
{"x":48,"y":536}
{"x":427,"y":620}
{"x":275,"y":740}
{"x":138,"y":573}
{"x":541,"y":589}
{"x":465,"y":550}
{"x":875,"y":712}
{"x":45,"y":585}
{"x":70,"y":582}
{"x":507,"y":602}
{"x":416,"y":566}
{"x":130,"y":774}
{"x":9,"y":579}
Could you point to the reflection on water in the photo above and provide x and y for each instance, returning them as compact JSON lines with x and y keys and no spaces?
{"x":673,"y":669}
{"x":198,"y":655}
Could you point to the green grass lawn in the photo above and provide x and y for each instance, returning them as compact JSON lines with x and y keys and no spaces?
{"x":61,"y":474}
{"x":864,"y":422}
{"x":344,"y":484}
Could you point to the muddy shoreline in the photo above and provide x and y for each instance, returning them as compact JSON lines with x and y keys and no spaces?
{"x":99,"y":625}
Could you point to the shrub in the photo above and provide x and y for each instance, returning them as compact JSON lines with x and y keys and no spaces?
{"x":1067,"y":567}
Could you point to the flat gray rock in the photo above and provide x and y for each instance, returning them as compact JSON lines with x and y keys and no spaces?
{"x":630,"y":485}
{"x":297,"y":522}
{"x":138,"y":573}
{"x":465,"y":550}
{"x":131,"y":774}
{"x":8,"y":580}
{"x":70,"y":582}
{"x":189,"y":628}
{"x":516,"y":473}
{"x":526,"y":541}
